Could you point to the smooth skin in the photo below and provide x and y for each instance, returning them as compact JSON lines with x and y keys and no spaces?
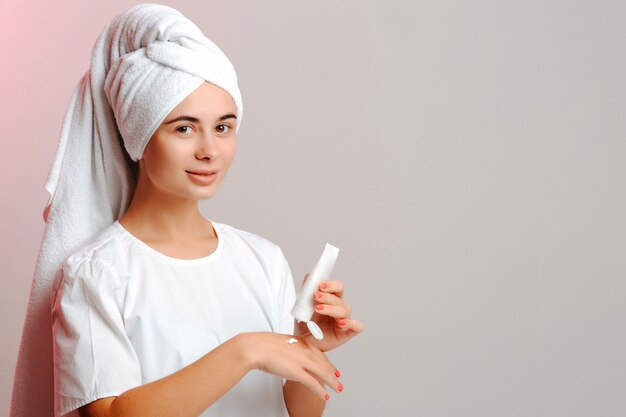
{"x":164,"y":214}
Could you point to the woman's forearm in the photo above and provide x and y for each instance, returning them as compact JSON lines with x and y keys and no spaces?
{"x":194,"y":388}
{"x":301,"y":401}
{"x":189,"y":391}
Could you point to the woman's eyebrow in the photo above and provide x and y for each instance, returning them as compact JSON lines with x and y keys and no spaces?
{"x":227,"y":116}
{"x":196,"y":120}
{"x":187,"y":118}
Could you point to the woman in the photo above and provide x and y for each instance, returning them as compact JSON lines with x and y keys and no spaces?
{"x":162,"y":311}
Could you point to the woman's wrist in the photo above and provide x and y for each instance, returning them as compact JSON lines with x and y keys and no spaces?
{"x":244,"y":344}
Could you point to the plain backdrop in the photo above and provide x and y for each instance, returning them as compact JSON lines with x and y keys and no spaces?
{"x":467,"y":157}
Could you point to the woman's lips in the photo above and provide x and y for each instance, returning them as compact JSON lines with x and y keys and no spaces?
{"x":202,"y":177}
{"x":202,"y":172}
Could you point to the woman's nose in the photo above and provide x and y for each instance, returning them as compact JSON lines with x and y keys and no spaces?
{"x":207,"y":147}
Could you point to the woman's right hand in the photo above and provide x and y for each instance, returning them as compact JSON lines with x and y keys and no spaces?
{"x":301,"y":362}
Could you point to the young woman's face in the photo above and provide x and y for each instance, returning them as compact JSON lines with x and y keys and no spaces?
{"x":195,"y":139}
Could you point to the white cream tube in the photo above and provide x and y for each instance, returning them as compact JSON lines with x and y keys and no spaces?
{"x":304,"y":307}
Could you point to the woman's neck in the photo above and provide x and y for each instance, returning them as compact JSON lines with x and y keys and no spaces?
{"x":158,"y":219}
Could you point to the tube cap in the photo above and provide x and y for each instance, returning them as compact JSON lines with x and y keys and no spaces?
{"x":315,"y":330}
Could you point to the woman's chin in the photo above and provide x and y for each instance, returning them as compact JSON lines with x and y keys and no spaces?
{"x":206,"y":194}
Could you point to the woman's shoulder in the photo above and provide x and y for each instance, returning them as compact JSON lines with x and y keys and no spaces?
{"x":252,"y":247}
{"x":101,"y":250}
{"x":248,"y":238}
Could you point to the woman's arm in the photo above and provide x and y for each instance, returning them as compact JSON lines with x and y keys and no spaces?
{"x":187,"y":392}
{"x":301,"y":401}
{"x":192,"y":389}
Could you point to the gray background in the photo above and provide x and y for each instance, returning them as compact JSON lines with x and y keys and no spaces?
{"x":468,"y":158}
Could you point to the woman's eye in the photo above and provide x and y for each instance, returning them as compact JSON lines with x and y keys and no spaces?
{"x":178,"y":129}
{"x":223,"y":128}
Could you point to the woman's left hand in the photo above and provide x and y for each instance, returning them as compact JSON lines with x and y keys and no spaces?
{"x":332,"y":315}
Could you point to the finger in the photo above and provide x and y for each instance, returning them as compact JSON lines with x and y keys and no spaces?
{"x":313,"y":384}
{"x":351,"y":324}
{"x":333,"y":286}
{"x":327,"y":298}
{"x":324,"y":370}
{"x":340,"y":311}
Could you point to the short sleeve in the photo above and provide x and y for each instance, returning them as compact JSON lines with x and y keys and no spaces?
{"x":93,"y":356}
{"x":286,"y":294}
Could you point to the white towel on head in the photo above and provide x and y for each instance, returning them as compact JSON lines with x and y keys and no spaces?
{"x":145,"y":62}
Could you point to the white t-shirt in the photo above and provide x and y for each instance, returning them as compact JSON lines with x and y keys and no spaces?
{"x":125,"y":315}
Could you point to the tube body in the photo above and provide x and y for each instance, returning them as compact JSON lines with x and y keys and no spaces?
{"x":303,"y":309}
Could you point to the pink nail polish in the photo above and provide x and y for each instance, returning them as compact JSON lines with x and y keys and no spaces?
{"x":324,"y":285}
{"x":340,"y":387}
{"x":319,"y":307}
{"x":318,"y":294}
{"x":327,"y":397}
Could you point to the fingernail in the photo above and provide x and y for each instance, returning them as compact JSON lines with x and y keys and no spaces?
{"x":342,"y":322}
{"x":340,"y":387}
{"x":318,"y":294}
{"x":324,"y":285}
{"x":319,"y":307}
{"x":337,"y":373}
{"x":327,"y":397}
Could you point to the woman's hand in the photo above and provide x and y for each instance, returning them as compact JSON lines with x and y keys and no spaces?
{"x":332,"y":315}
{"x":299,"y":361}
